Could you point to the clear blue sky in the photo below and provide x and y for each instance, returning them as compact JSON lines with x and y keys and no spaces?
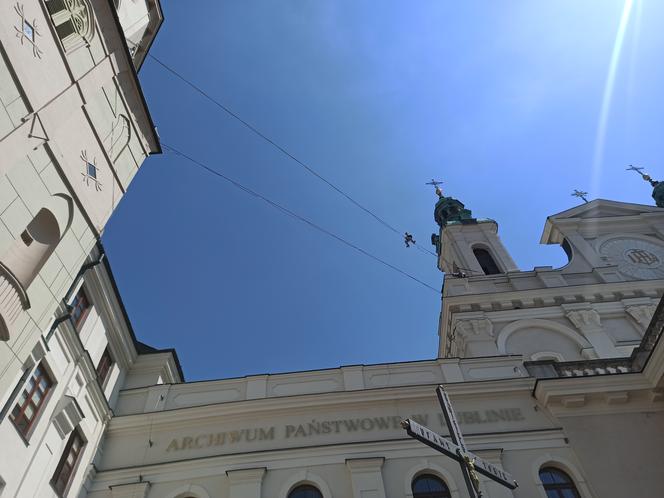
{"x":501,"y":100}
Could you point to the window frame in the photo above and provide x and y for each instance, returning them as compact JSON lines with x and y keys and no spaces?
{"x":79,"y":320}
{"x":76,"y":434}
{"x":64,"y":28}
{"x":446,"y":493}
{"x":103,"y":379}
{"x":491,"y":258}
{"x":305,"y":487}
{"x":38,"y":408}
{"x":570,"y":485}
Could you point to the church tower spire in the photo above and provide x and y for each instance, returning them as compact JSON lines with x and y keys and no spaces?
{"x":465,"y":244}
{"x":658,"y":187}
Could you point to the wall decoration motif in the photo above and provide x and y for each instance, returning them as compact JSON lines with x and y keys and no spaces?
{"x":27,"y":31}
{"x":119,"y":136}
{"x":90,"y":171}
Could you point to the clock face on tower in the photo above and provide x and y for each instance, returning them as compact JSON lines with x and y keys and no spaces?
{"x":635,"y":257}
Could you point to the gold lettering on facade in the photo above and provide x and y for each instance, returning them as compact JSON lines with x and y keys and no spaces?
{"x":315,"y":427}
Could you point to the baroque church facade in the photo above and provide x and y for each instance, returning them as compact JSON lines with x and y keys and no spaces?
{"x":556,"y":375}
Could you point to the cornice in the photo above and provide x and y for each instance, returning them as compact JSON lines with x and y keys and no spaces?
{"x":193,"y":416}
{"x":567,"y":293}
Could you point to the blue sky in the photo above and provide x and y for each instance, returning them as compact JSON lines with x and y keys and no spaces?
{"x":501,"y":100}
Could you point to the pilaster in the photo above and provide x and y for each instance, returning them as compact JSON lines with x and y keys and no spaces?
{"x":366,"y":477}
{"x":588,"y":321}
{"x":245,"y":483}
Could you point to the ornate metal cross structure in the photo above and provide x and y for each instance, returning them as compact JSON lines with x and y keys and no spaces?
{"x":436,"y":184}
{"x":456,"y":448}
{"x":581,"y":194}
{"x":639,"y":170}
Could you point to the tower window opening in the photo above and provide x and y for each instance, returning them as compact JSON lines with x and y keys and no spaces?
{"x":486,"y":261}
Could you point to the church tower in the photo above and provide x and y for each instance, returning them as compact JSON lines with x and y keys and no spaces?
{"x":466,"y":244}
{"x":598,"y":305}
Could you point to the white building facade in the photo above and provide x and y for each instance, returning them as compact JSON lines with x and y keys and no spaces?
{"x":74,"y":130}
{"x":557,"y":375}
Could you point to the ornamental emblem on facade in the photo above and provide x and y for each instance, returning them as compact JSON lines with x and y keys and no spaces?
{"x":27,"y":31}
{"x":641,"y":257}
{"x":90,"y":172}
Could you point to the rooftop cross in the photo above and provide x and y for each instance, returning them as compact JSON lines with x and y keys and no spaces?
{"x":456,"y":448}
{"x":435,"y":183}
{"x":581,"y":194}
{"x":639,"y":170}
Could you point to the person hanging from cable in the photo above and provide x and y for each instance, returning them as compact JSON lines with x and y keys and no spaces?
{"x":408,"y":239}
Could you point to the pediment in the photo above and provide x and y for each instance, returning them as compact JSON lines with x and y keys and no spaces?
{"x":602,"y":208}
{"x":593,"y":210}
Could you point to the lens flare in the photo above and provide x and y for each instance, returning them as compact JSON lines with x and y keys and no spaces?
{"x":600,"y":138}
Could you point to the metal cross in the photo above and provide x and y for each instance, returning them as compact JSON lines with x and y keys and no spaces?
{"x":637,"y":169}
{"x":581,"y":194}
{"x":646,"y":177}
{"x":436,"y":184}
{"x":470,"y":463}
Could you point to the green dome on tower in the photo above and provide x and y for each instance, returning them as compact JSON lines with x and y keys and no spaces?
{"x":450,"y":210}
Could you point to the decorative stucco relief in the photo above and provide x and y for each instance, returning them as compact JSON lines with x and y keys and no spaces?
{"x":27,"y":31}
{"x":642,"y":313}
{"x":467,"y":330}
{"x":588,"y":319}
{"x":90,"y":171}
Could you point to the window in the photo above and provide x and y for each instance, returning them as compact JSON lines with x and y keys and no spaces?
{"x":31,"y":400}
{"x":557,"y":484}
{"x":92,"y":170}
{"x":73,"y":21}
{"x":484,"y":258}
{"x":26,"y":238}
{"x":80,"y":308}
{"x":429,"y":486}
{"x":305,"y":491}
{"x":67,"y":464}
{"x":104,"y":366}
{"x":28,"y":31}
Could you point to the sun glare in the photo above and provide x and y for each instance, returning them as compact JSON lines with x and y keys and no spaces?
{"x":598,"y":157}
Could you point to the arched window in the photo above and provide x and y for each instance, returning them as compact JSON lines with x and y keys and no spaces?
{"x":429,"y":486}
{"x":305,"y":491}
{"x":557,"y":484}
{"x":73,"y":21}
{"x":486,"y":261}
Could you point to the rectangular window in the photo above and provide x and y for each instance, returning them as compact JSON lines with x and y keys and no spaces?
{"x":92,"y":170}
{"x":104,"y":366}
{"x":29,"y":31}
{"x":80,"y":308}
{"x":31,"y":400}
{"x":67,"y":465}
{"x":26,"y":238}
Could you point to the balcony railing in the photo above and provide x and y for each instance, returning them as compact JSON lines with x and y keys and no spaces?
{"x":549,"y":369}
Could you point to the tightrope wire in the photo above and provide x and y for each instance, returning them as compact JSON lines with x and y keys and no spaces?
{"x":294,"y":215}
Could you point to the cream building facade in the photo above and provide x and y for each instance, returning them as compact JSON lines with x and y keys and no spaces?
{"x":74,"y":130}
{"x":554,"y":374}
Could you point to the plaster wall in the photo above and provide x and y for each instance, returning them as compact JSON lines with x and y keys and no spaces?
{"x":624,"y":445}
{"x":88,"y":109}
